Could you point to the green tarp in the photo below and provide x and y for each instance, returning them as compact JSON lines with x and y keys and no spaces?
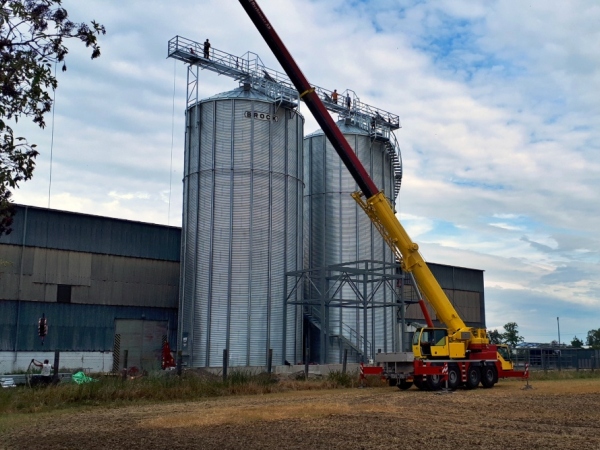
{"x":81,"y":378}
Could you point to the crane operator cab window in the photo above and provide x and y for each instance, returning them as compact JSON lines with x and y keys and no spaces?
{"x":433,"y":342}
{"x":504,"y":352}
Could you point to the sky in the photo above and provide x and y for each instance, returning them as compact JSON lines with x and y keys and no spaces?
{"x":500,"y":109}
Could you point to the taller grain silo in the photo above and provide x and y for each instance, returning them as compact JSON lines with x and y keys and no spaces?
{"x":242,"y":228}
{"x":337,"y":231}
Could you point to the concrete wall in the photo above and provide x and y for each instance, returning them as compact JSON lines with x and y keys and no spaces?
{"x":92,"y":362}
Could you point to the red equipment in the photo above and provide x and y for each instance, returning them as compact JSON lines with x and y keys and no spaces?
{"x":167,"y":358}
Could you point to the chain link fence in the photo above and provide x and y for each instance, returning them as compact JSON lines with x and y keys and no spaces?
{"x":556,"y":358}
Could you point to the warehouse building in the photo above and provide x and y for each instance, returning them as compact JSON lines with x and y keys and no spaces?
{"x":107,"y":286}
{"x":104,"y":286}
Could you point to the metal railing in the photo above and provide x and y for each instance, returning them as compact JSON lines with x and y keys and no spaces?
{"x":249,"y":68}
{"x":393,"y":149}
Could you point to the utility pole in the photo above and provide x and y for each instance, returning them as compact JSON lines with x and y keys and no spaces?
{"x":558,"y":324}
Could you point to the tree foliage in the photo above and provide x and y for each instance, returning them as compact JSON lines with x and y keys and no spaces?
{"x":576,"y":342}
{"x":495,"y":337}
{"x":32,"y":41}
{"x":511,"y":334}
{"x":593,"y":338}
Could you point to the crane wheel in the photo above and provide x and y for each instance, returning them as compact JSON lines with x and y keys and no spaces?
{"x":454,"y":379}
{"x":434,"y":382}
{"x":404,"y":385}
{"x":488,"y":376}
{"x":419,"y":382}
{"x":473,"y":377}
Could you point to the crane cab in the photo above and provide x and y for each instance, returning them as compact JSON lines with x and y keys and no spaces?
{"x":504,"y":357}
{"x":434,"y":343}
{"x":430,"y":343}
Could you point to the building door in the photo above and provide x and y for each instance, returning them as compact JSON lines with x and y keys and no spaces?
{"x":141,"y":341}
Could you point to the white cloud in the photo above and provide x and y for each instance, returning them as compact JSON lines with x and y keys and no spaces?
{"x":506,"y":226}
{"x":129,"y":195}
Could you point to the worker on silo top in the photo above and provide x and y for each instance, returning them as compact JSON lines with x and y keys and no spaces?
{"x":334,"y":96}
{"x":348,"y":101}
{"x":206,"y":49}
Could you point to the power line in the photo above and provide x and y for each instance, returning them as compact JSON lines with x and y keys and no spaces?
{"x":52,"y":136}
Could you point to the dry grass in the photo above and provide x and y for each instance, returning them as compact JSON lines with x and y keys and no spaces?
{"x":213,"y":415}
{"x":197,"y":385}
{"x":166,"y":387}
{"x":235,"y":415}
{"x":554,"y":415}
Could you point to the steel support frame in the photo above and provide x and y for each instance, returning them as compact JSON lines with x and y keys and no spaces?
{"x":328,"y":281}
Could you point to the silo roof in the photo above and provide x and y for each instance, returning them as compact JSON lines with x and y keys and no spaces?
{"x":344,"y":128}
{"x":240,"y":92}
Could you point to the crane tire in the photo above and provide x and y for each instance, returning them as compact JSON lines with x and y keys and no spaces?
{"x":454,"y":378}
{"x":404,"y":385}
{"x":488,"y":376}
{"x":473,"y":377}
{"x":419,"y":382}
{"x":434,"y":382}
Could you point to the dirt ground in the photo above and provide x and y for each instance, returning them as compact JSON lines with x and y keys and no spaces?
{"x":554,"y":415}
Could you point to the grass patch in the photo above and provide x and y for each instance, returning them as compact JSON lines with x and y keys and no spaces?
{"x":338,"y":379}
{"x":193,"y":385}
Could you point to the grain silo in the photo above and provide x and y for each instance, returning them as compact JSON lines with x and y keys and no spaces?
{"x":337,"y":231}
{"x":242,"y":228}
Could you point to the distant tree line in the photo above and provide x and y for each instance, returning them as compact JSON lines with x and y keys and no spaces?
{"x":511,"y":337}
{"x":593,"y":340}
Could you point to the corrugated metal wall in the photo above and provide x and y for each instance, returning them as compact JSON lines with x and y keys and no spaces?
{"x":111,"y":268}
{"x":464,"y":288}
{"x":71,"y":327}
{"x":337,"y":231}
{"x":34,"y":273}
{"x":241,"y":228}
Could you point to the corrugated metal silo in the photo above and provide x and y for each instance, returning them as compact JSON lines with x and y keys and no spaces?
{"x":242,"y":228}
{"x":338,"y":231}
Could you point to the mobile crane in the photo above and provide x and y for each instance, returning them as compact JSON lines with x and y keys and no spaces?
{"x":457,"y":353}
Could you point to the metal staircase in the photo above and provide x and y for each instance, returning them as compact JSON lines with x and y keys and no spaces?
{"x":344,"y":333}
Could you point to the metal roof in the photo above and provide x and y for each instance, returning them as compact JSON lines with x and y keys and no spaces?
{"x":241,"y":92}
{"x":345,"y":128}
{"x":63,"y":230}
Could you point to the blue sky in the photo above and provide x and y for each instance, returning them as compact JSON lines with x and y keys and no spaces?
{"x":499,"y":102}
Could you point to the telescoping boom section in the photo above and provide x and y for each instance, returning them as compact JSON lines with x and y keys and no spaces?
{"x":371,"y":199}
